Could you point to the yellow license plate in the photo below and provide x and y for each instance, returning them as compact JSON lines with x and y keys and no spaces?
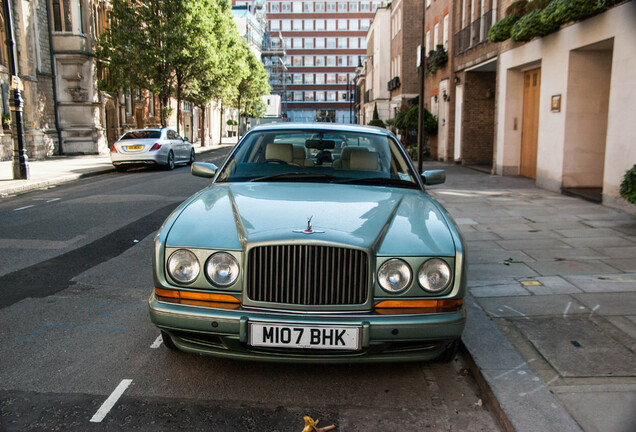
{"x":134,"y":147}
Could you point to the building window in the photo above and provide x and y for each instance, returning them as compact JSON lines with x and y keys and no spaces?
{"x":320,"y":79}
{"x":365,"y":7}
{"x":428,"y":42}
{"x":354,"y":43}
{"x":331,"y":7}
{"x":342,"y":24}
{"x":342,"y":78}
{"x":319,"y":7}
{"x":309,"y":96}
{"x":364,"y":24}
{"x":342,"y":43}
{"x":342,"y":7}
{"x":320,"y":25}
{"x":297,"y":78}
{"x":274,"y":25}
{"x":342,"y":96}
{"x":445,"y":32}
{"x":298,"y":96}
{"x":297,"y":7}
{"x":274,"y":7}
{"x":309,"y":43}
{"x":309,"y":78}
{"x":375,"y":5}
{"x":320,"y":96}
{"x":309,"y":60}
{"x":297,"y":25}
{"x":436,"y":36}
{"x":298,"y":61}
{"x":286,"y":25}
{"x":353,"y":7}
{"x":341,"y":60}
{"x":319,"y":61}
{"x":363,"y":43}
{"x":353,"y":61}
{"x":354,"y":25}
{"x":3,"y":42}
{"x":331,"y":96}
{"x":285,"y":7}
{"x":331,"y":78}
{"x":307,"y":7}
{"x":331,"y":61}
{"x":320,"y":43}
{"x":309,"y":24}
{"x":61,"y":10}
{"x":331,"y":25}
{"x":331,"y":43}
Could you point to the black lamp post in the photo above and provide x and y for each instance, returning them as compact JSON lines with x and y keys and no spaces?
{"x":20,"y":159}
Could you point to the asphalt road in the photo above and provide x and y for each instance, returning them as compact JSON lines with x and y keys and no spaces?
{"x":75,"y":275}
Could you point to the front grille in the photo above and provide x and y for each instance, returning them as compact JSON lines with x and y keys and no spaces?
{"x":307,"y":275}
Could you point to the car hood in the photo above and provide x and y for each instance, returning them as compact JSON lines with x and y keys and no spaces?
{"x":388,"y":221}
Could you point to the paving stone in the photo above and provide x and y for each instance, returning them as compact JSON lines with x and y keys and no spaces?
{"x":477,"y":236}
{"x":577,"y":347}
{"x":532,"y":244}
{"x":570,"y":267}
{"x":528,"y":307}
{"x":618,"y":252}
{"x":490,"y":271}
{"x":626,"y":325}
{"x":626,"y":265}
{"x":551,"y":218}
{"x":526,"y":235}
{"x":604,"y":283}
{"x":551,"y":285}
{"x":482,"y":245}
{"x":504,"y":227}
{"x":591,"y":242}
{"x":485,"y":256}
{"x":563,"y":254}
{"x":465,"y":221}
{"x":587,"y":232}
{"x":499,"y":291}
{"x":609,"y":304}
{"x":613,"y":411}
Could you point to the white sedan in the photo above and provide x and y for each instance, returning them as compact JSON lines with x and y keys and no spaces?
{"x":144,"y":147}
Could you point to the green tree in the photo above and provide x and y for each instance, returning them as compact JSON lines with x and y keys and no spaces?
{"x":137,"y":48}
{"x":254,"y":84}
{"x":376,"y":121}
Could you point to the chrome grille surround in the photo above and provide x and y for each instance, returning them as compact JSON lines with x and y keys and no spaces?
{"x":311,"y":275}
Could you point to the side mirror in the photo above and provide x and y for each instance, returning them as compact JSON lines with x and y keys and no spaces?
{"x":203,"y":169}
{"x":186,"y":139}
{"x":433,"y":177}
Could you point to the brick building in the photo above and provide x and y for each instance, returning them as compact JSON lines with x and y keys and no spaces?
{"x":325,"y":43}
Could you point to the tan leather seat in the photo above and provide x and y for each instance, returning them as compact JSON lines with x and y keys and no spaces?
{"x":300,"y":156}
{"x":364,"y":161}
{"x":345,"y":157}
{"x":279,"y":151}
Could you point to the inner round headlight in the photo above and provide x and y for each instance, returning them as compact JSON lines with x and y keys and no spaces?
{"x":394,"y":276}
{"x":434,"y":275}
{"x":222,"y":269}
{"x":183,"y":266}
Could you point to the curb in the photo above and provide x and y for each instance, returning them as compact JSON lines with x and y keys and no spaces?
{"x":45,"y":184}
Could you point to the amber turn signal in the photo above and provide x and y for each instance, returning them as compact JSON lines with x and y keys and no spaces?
{"x":222,"y":301}
{"x":396,"y":307}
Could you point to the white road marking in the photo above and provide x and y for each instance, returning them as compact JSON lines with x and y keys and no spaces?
{"x":516,"y":311}
{"x":53,"y":200}
{"x":540,"y":387}
{"x":23,"y":208}
{"x":103,"y":411}
{"x":157,"y":342}
{"x":595,"y":309}
{"x":567,"y":308}
{"x":514,"y":369}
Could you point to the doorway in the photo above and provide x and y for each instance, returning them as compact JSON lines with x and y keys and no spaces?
{"x":530,"y":123}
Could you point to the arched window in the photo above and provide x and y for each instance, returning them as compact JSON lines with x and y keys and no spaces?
{"x":4,"y":58}
{"x":61,"y":11}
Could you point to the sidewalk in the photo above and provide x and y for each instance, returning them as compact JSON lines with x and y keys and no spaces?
{"x":552,"y":304}
{"x":61,"y":169}
{"x":552,"y":295}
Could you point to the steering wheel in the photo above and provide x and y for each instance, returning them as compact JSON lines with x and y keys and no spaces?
{"x":278,"y":161}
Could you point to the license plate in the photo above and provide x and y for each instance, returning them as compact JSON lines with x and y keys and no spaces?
{"x":134,"y":147}
{"x":303,"y":336}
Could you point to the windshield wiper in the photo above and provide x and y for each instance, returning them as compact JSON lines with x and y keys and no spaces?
{"x":381,"y":181}
{"x":295,"y":176}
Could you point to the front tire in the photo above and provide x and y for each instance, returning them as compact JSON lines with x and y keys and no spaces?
{"x":170,"y":163}
{"x":449,"y":353}
{"x":192,"y":156}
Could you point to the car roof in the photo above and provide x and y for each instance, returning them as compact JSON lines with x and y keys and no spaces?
{"x":332,"y":128}
{"x":146,"y":129}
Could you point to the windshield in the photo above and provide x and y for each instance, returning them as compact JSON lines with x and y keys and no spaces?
{"x":319,"y":156}
{"x":144,"y":134}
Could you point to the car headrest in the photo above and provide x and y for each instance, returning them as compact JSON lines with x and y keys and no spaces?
{"x":278,"y":151}
{"x":364,"y":161}
{"x":346,"y":152}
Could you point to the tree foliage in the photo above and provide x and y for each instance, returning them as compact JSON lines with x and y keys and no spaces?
{"x":628,"y":185}
{"x":376,"y":121}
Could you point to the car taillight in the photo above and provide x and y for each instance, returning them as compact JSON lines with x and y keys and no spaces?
{"x":113,"y":149}
{"x":157,"y":146}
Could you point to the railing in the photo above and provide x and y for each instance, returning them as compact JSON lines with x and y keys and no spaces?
{"x":473,"y":34}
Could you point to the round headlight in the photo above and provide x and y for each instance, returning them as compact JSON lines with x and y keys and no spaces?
{"x":183,"y":266}
{"x":434,"y":275}
{"x":222,"y":269}
{"x":394,"y":276}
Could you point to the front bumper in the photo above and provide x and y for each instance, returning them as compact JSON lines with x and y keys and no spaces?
{"x":224,"y":333}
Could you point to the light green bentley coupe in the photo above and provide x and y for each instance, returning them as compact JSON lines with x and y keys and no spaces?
{"x":305,"y":248}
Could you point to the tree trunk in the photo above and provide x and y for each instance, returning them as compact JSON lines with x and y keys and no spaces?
{"x":202,"y":126}
{"x":165,"y":101}
{"x":238,"y":132}
{"x":221,"y":126}
{"x":178,"y":102}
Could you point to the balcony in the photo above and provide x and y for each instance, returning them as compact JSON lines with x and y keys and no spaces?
{"x":473,"y":34}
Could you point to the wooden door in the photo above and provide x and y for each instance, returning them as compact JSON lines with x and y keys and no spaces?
{"x":530,"y":125}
